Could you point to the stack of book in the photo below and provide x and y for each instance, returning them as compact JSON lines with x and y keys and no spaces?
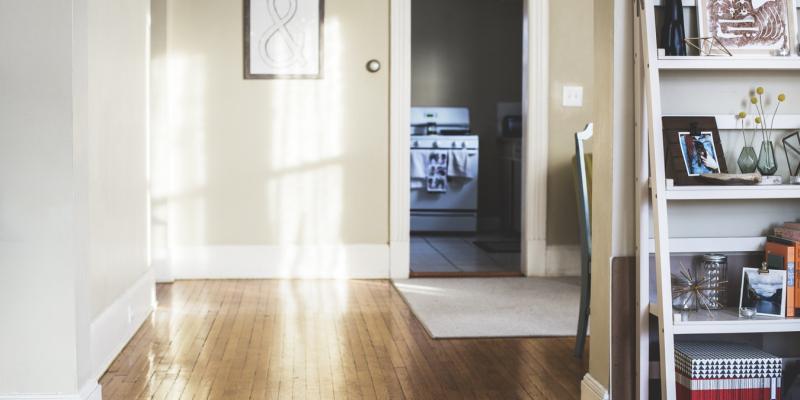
{"x":726,"y":371}
{"x":782,"y":251}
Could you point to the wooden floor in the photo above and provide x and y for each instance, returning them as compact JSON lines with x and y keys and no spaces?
{"x":273,"y":339}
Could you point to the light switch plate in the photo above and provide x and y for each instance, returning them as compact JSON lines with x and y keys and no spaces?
{"x":572,"y":96}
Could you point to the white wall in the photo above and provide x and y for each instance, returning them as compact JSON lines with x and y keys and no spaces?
{"x":73,"y":209}
{"x":38,"y":249}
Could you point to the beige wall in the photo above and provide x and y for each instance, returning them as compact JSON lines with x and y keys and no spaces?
{"x":470,"y":57}
{"x":571,"y":63}
{"x":117,"y":153}
{"x":273,"y":162}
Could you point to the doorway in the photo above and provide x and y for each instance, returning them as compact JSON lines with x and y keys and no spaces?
{"x":466,"y":147}
{"x":535,"y":125}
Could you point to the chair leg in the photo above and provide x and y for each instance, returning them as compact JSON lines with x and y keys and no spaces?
{"x":583,"y":316}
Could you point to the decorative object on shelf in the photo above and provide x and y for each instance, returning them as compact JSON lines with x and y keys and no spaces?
{"x":747,"y":312}
{"x":283,"y":39}
{"x":767,"y":164}
{"x":748,"y":159}
{"x":731,"y":179}
{"x":672,"y":33}
{"x":767,"y":180}
{"x":692,"y":148}
{"x":692,"y":291}
{"x":794,"y":148}
{"x":719,"y":370}
{"x":749,"y":27}
{"x":708,"y":46}
{"x":714,"y":270}
{"x":764,"y":290}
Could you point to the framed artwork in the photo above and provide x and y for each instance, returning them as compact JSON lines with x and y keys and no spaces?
{"x":692,"y":148}
{"x":283,"y":39}
{"x":749,"y":27}
{"x":764,"y":292}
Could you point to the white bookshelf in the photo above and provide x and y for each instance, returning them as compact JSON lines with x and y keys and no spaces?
{"x":701,"y":85}
{"x":727,"y":321}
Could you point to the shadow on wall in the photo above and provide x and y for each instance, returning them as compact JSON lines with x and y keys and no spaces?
{"x":275,"y":174}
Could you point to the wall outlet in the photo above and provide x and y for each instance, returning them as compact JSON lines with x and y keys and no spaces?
{"x":572,"y":96}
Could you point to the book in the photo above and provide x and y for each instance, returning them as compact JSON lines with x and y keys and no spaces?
{"x":780,"y":254}
{"x":787,"y":233}
{"x":794,"y":226}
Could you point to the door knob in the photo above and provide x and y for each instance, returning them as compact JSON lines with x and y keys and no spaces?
{"x":373,"y":66}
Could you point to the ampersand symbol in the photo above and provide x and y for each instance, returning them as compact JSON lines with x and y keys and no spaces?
{"x":280,"y":31}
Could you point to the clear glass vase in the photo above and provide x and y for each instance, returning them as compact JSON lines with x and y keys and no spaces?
{"x":766,"y":159}
{"x":748,"y":159}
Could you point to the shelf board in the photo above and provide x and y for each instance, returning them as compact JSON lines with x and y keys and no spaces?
{"x":728,"y":321}
{"x":712,"y":244}
{"x":733,"y":192}
{"x":690,"y":63}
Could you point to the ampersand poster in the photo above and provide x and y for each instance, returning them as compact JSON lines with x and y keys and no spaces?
{"x":283,"y":38}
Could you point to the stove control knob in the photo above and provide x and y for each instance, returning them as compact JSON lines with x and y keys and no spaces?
{"x":453,"y":145}
{"x":415,"y":144}
{"x":436,"y":144}
{"x":463,"y":145}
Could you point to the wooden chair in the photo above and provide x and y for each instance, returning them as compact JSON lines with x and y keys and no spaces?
{"x":583,"y":183}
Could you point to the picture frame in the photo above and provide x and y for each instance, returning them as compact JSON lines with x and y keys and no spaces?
{"x":765,"y":292}
{"x":692,"y":147}
{"x":283,"y":39}
{"x":749,"y":27}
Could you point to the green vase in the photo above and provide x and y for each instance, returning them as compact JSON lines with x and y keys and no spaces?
{"x":748,"y":160}
{"x":766,"y":159}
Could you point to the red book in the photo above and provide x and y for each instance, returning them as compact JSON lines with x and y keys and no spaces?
{"x":780,"y":254}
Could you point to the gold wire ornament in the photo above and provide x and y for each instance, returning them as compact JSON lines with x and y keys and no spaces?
{"x":708,"y":46}
{"x":689,"y":291}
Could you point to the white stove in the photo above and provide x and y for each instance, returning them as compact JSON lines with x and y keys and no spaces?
{"x":444,"y":130}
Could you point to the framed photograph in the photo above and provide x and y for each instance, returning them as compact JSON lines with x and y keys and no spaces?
{"x":692,"y":148}
{"x":699,"y":153}
{"x":764,"y":292}
{"x":749,"y":27}
{"x":283,"y":39}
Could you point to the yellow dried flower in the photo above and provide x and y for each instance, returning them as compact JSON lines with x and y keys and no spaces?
{"x":754,"y":100}
{"x":742,"y":114}
{"x":781,"y":97}
{"x":758,"y":120}
{"x":760,"y":90}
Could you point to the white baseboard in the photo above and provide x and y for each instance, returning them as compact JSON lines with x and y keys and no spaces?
{"x":400,"y":262}
{"x":563,"y":260}
{"x":346,"y":261}
{"x":115,"y":326}
{"x":591,"y":389}
{"x":90,"y":391}
{"x":162,"y":270}
{"x":535,"y":257}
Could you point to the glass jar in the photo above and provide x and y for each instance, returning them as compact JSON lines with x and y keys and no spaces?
{"x":714,"y":273}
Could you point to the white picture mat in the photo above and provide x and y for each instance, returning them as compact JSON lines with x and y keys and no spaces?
{"x":284,"y":37}
{"x":783,"y":292}
{"x":792,"y":31}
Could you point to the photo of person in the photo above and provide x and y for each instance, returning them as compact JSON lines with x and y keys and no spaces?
{"x":699,"y":153}
{"x":764,"y":292}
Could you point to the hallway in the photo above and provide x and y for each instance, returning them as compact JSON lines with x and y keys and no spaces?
{"x":265,"y":339}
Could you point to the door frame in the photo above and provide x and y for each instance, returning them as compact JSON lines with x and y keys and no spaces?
{"x":535,"y":125}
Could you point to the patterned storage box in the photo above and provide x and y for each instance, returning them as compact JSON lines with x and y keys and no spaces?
{"x":726,"y":371}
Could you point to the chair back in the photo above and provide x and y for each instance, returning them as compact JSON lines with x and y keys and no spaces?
{"x":583,"y":182}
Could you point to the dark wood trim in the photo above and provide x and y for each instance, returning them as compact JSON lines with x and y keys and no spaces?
{"x":246,"y":41}
{"x":623,"y":328}
{"x":483,"y":274}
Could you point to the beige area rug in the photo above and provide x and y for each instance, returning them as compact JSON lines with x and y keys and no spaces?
{"x":493,"y":307}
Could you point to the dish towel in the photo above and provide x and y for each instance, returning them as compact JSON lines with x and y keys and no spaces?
{"x":436,"y":168}
{"x":419,"y":159}
{"x":459,"y":164}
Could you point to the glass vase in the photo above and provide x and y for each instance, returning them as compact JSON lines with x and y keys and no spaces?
{"x":766,"y":159}
{"x":747,"y":160}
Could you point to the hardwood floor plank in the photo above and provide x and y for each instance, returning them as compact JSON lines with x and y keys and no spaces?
{"x":285,"y":339}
